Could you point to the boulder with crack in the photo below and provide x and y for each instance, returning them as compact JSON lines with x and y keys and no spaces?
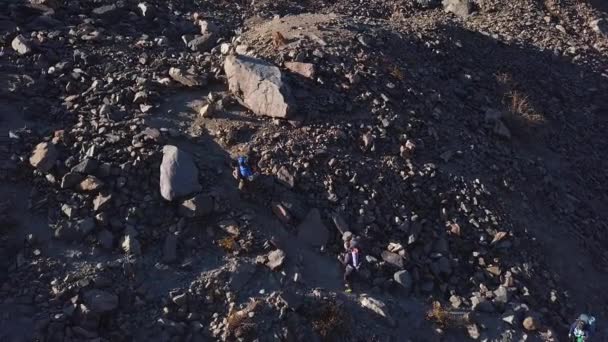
{"x":260,"y":85}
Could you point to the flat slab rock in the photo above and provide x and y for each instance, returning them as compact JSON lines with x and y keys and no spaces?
{"x":376,"y":306}
{"x":260,"y":85}
{"x":44,"y":156}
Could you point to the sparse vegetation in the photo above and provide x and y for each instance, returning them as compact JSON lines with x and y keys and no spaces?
{"x":237,"y":320}
{"x":397,"y":73}
{"x":329,"y":320}
{"x":228,"y":243}
{"x":521,"y":113}
{"x":446,"y":318}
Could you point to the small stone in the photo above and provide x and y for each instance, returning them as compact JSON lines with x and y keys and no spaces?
{"x":404,"y":279}
{"x":275,"y":259}
{"x":70,"y":179}
{"x":285,"y":177}
{"x":21,"y":45}
{"x":147,"y":11}
{"x":86,"y":166}
{"x":456,"y":301}
{"x":393,"y":259}
{"x":225,"y":48}
{"x":494,"y":270}
{"x":499,"y":237}
{"x":407,"y":150}
{"x":180,"y":300}
{"x":68,"y":210}
{"x":207,"y":110}
{"x":185,"y":78}
{"x":368,"y":141}
{"x":509,"y":318}
{"x":105,"y":11}
{"x":197,"y":206}
{"x":90,"y":183}
{"x":130,"y":245}
{"x":207,"y":27}
{"x":279,"y":210}
{"x":101,"y":202}
{"x":427,"y":4}
{"x":306,"y":70}
{"x":501,"y":295}
{"x":531,"y":323}
{"x":44,"y":156}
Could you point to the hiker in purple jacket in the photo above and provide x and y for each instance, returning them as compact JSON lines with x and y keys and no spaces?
{"x":351,"y":258}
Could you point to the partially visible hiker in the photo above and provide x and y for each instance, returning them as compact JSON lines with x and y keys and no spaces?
{"x":244,"y":172}
{"x":582,"y":329}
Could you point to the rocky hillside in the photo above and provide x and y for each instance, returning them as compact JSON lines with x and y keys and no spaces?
{"x":463,"y":142}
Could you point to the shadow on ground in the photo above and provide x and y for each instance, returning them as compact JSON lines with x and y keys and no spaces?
{"x":553,"y":163}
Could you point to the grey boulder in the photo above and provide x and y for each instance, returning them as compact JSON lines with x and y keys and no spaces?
{"x":461,"y":8}
{"x":260,"y":85}
{"x":178,"y":174}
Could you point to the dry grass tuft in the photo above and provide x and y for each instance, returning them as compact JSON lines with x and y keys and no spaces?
{"x":329,"y":321}
{"x":446,"y":318}
{"x":519,"y":103}
{"x":228,"y":243}
{"x":438,"y":314}
{"x":236,"y":319}
{"x":521,"y":115}
{"x":521,"y":112}
{"x":397,"y":73}
{"x":238,"y":324}
{"x":504,"y":78}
